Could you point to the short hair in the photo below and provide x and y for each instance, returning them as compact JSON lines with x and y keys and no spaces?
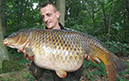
{"x":49,"y":3}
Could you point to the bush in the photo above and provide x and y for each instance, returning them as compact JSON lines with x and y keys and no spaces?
{"x":120,"y":49}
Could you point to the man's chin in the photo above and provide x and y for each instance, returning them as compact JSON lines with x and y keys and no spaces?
{"x":49,"y":27}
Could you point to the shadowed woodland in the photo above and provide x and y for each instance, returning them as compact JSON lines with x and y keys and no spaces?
{"x":107,"y":20}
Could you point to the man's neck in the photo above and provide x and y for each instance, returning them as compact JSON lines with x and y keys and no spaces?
{"x":57,"y":27}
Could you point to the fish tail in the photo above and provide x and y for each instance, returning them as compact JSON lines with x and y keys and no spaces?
{"x":112,"y":63}
{"x":113,"y":66}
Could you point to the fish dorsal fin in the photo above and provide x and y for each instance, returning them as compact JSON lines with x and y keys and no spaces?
{"x":61,"y":73}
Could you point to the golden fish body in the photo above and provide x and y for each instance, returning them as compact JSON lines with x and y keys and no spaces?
{"x":62,"y":50}
{"x":54,"y":50}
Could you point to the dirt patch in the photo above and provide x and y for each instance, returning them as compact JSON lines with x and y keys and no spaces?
{"x":14,"y":76}
{"x":21,"y":75}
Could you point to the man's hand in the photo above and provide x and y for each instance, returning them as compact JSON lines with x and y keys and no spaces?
{"x":31,"y":58}
{"x":86,"y":57}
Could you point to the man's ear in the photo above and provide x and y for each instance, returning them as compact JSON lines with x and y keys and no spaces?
{"x":57,"y":14}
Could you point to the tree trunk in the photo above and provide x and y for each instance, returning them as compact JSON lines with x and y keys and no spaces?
{"x":61,"y":7}
{"x":3,"y":50}
{"x":104,"y":17}
{"x":109,"y":22}
{"x":3,"y":7}
{"x":6,"y":62}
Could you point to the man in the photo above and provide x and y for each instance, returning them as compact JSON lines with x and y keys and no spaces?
{"x":50,"y":17}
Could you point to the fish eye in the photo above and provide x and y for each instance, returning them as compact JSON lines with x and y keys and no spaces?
{"x":15,"y":34}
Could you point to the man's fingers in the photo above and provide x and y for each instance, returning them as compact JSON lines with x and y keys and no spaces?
{"x":31,"y":58}
{"x":86,"y":57}
{"x":19,"y":51}
{"x":25,"y":55}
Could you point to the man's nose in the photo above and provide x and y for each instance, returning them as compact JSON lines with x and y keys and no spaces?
{"x":45,"y":19}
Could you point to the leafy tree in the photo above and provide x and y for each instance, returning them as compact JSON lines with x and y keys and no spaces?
{"x":105,"y":19}
{"x":6,"y":62}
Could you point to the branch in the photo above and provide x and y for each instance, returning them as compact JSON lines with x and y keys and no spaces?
{"x":109,"y":20}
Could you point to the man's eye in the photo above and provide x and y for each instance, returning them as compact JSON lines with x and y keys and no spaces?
{"x":48,"y":14}
{"x":42,"y":16}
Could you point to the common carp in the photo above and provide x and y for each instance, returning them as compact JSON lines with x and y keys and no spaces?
{"x":64,"y":50}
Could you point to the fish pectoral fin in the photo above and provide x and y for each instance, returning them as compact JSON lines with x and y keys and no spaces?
{"x":61,"y":73}
{"x":95,"y":60}
{"x":92,"y":52}
{"x":29,"y":51}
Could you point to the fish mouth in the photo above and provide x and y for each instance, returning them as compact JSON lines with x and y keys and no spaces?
{"x":10,"y":45}
{"x":5,"y":42}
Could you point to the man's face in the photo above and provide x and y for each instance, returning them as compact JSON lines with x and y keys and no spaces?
{"x":49,"y":16}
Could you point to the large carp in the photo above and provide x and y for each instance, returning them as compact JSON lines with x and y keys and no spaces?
{"x":63,"y":50}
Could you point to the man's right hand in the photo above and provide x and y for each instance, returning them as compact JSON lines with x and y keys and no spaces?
{"x":86,"y":57}
{"x":31,"y":58}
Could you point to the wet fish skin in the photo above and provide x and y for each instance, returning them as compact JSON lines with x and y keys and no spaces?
{"x":62,"y":50}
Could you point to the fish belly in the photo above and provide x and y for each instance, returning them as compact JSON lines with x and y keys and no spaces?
{"x":57,"y":59}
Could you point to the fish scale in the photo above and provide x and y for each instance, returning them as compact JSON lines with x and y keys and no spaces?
{"x":72,"y":45}
{"x":64,"y":50}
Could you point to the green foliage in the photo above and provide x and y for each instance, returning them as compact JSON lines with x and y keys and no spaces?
{"x":89,"y":75}
{"x":97,"y":69}
{"x":92,"y":17}
{"x":121,"y":49}
{"x":10,"y":66}
{"x":7,"y":79}
{"x":17,"y":57}
{"x":29,"y":77}
{"x":123,"y":73}
{"x":21,"y":15}
{"x":117,"y":26}
{"x":89,"y":16}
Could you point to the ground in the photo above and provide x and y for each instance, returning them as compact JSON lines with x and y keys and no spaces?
{"x":23,"y":75}
{"x":15,"y":76}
